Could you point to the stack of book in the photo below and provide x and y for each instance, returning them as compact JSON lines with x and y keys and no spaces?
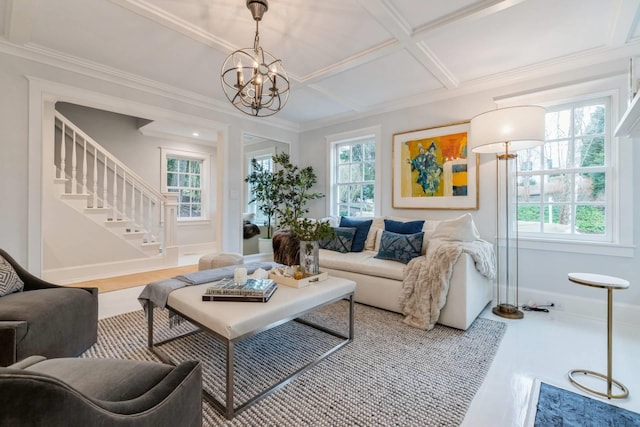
{"x":254,"y":290}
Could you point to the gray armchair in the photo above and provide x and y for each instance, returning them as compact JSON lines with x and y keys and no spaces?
{"x":100,"y":392}
{"x":46,"y":319}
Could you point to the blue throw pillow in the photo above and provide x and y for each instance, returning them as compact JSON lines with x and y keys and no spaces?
{"x":362,"y":230}
{"x":400,"y":247}
{"x":342,"y":241}
{"x":409,"y":227}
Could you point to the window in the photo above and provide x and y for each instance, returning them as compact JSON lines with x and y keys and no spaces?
{"x":186,"y":173}
{"x":564,"y":186}
{"x":353,"y":174}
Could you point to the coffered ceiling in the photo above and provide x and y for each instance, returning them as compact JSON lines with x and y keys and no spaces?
{"x":346,"y":58}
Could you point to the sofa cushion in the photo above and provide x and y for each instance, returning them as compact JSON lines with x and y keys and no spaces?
{"x":400,"y":227}
{"x":10,"y":282}
{"x":461,"y":229}
{"x":363,"y":262}
{"x":362,"y":230}
{"x":341,"y":242}
{"x":400,"y":247}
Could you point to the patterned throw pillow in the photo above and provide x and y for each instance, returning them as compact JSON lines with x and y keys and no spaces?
{"x":362,"y":230}
{"x":342,"y":241}
{"x":400,"y":247}
{"x":9,"y":280}
{"x":409,"y":227}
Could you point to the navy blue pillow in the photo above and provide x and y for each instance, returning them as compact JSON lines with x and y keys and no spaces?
{"x":400,"y":247}
{"x":342,"y":242}
{"x":362,"y":230}
{"x":409,"y":227}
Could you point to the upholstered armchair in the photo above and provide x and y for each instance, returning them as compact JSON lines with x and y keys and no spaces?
{"x":43,"y":318}
{"x":100,"y":392}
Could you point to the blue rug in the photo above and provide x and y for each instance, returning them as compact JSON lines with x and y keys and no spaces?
{"x":562,"y":408}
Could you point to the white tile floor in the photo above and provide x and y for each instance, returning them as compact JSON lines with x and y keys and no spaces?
{"x":542,"y":346}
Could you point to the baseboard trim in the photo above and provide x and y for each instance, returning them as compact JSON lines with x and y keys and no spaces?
{"x":83,"y":273}
{"x":595,"y":308}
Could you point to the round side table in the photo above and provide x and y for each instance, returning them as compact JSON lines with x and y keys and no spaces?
{"x":610,"y":284}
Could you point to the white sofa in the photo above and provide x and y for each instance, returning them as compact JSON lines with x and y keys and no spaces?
{"x":379,"y":281}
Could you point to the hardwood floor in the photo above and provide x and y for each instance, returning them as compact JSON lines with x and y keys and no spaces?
{"x":131,"y":280}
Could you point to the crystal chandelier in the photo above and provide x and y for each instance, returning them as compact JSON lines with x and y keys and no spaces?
{"x":253,"y":80}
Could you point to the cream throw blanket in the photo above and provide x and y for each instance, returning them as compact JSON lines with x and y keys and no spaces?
{"x":426,"y":281}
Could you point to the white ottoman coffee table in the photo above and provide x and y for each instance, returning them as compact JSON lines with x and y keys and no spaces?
{"x":231,"y":322}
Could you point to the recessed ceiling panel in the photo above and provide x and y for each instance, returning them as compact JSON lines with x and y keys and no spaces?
{"x":388,"y":78}
{"x":306,"y":104}
{"x":417,"y":14}
{"x":105,"y":33}
{"x":523,"y":35}
{"x":306,"y":35}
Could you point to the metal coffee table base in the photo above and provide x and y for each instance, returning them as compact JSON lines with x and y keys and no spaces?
{"x":227,"y":408}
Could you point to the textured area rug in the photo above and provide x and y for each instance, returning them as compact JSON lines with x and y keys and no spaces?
{"x":561,"y":408}
{"x":391,"y":374}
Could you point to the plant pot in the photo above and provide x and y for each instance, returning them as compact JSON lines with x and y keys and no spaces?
{"x":309,"y":257}
{"x":265,"y":246}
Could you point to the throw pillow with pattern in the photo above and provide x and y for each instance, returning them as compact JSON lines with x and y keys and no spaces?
{"x":10,"y":282}
{"x":400,"y":247}
{"x":342,"y":241}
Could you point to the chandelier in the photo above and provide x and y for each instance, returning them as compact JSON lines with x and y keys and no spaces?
{"x":253,"y":80}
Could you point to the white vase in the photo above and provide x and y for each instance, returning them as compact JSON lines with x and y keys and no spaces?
{"x":309,"y":257}
{"x":265,"y":246}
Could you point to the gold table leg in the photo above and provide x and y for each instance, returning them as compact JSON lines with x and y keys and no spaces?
{"x":609,"y":377}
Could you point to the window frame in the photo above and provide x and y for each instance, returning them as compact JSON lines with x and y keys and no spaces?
{"x":621,"y":161}
{"x":204,"y":158}
{"x":608,"y":236}
{"x":337,"y":140}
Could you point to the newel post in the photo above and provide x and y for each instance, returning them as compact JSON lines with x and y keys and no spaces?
{"x":170,"y":221}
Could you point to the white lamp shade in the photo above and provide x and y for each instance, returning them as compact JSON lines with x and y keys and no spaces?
{"x":520,"y":127}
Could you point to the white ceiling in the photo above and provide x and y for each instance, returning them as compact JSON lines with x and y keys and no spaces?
{"x":346,"y":58}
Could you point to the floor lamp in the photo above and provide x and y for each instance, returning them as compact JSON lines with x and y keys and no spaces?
{"x":503,"y":132}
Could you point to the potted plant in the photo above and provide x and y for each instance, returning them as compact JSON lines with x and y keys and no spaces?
{"x":264,"y":185}
{"x":309,"y":232}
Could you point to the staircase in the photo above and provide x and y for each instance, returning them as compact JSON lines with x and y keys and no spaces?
{"x":93,"y":182}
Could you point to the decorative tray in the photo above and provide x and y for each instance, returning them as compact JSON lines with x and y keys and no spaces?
{"x":293,"y":283}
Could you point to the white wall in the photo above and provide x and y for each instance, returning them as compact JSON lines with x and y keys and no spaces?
{"x":542,"y":271}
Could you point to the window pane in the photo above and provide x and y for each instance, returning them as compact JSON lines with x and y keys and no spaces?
{"x":589,"y":120}
{"x":557,"y":218}
{"x":172,"y":179}
{"x":368,"y":193}
{"x":356,"y":153}
{"x":356,"y":172}
{"x":172,"y":165}
{"x":195,"y":196}
{"x":195,"y":181}
{"x":185,"y":211}
{"x":369,"y":171}
{"x":557,"y":124}
{"x":589,"y":152}
{"x":590,"y":187}
{"x":343,"y":194}
{"x":183,"y":165}
{"x":185,"y":196}
{"x":556,"y":155}
{"x":343,"y":154}
{"x":354,"y":194}
{"x":530,"y":160}
{"x":529,"y":218}
{"x":343,"y":173}
{"x":370,"y":151}
{"x":195,"y":210}
{"x":557,"y":188}
{"x":590,"y":219}
{"x":194,"y":167}
{"x":529,"y":188}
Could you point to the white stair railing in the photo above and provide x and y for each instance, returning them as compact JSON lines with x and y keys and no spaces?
{"x":108,"y":183}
